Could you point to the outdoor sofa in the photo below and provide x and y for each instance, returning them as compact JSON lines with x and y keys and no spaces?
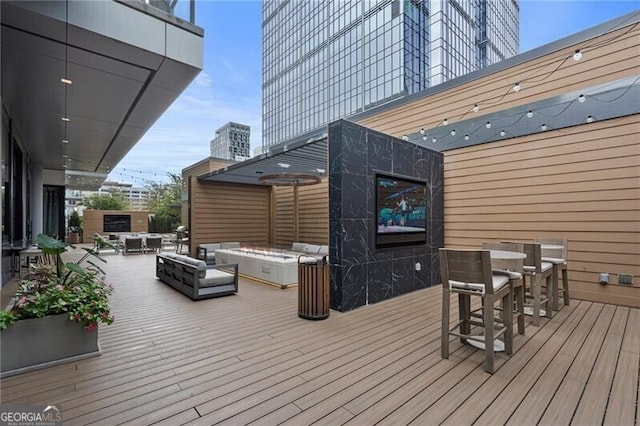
{"x":207,"y":252}
{"x":195,"y":278}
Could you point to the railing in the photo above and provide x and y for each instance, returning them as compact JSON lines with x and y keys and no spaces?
{"x":169,"y":7}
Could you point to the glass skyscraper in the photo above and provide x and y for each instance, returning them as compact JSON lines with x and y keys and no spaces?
{"x":329,"y":59}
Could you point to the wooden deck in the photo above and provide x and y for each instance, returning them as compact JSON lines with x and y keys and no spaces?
{"x":249,"y":359}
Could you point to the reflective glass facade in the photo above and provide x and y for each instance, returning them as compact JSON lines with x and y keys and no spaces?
{"x":326,"y":59}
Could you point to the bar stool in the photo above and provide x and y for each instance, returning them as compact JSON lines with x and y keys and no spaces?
{"x":512,"y":268}
{"x":468,"y":273}
{"x":554,"y":251}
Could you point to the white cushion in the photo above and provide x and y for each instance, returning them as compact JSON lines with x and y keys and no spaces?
{"x":513,"y":275}
{"x":229,"y":245}
{"x":498,"y":282}
{"x":298,"y":246}
{"x":310,"y":248}
{"x":215,"y":277}
{"x":544,"y":267}
{"x":554,"y":260}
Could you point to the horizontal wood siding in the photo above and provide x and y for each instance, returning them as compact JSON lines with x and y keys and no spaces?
{"x":229,"y":212}
{"x":605,"y":58}
{"x":313,"y":206}
{"x":283,"y":215}
{"x":313,"y":214}
{"x":93,"y":221}
{"x":198,"y":169}
{"x":581,"y":183}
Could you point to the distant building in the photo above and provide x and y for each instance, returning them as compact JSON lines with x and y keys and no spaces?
{"x":232,"y":142}
{"x":136,"y":197}
{"x":349,"y":56}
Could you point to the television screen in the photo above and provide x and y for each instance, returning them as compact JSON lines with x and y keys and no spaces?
{"x":401,"y":213}
{"x":117,"y":223}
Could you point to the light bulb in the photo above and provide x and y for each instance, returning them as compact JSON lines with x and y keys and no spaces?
{"x":488,"y":125}
{"x":453,"y":132}
{"x":445,"y":122}
{"x":581,"y":99}
{"x":529,"y":114}
{"x":502,"y":133}
{"x":466,"y":137}
{"x":475,"y":108}
{"x":516,"y":87}
{"x":543,"y":127}
{"x":405,"y":137}
{"x":422,"y":131}
{"x":424,"y":138}
{"x":590,"y":119}
{"x":434,"y":140}
{"x":577,"y":55}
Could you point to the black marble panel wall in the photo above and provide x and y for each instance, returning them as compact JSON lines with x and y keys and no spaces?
{"x":361,"y":273}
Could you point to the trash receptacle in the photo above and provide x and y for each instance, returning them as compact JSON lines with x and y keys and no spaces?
{"x":313,"y":287}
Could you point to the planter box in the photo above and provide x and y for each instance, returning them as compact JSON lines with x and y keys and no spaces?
{"x":37,"y":343}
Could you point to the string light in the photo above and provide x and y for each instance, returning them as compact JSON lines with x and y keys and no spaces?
{"x":577,"y":55}
{"x":581,"y":99}
{"x":445,"y":122}
{"x":488,"y":125}
{"x":466,"y":137}
{"x":405,"y":137}
{"x":529,"y":114}
{"x":422,"y":131}
{"x":590,"y":119}
{"x":434,"y":140}
{"x":502,"y":133}
{"x":543,"y":127}
{"x":516,"y":87}
{"x":425,"y":137}
{"x":453,"y":132}
{"x":475,"y":108}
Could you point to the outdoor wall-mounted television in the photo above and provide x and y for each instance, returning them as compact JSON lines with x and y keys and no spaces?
{"x":401,"y":211}
{"x":116,"y":223}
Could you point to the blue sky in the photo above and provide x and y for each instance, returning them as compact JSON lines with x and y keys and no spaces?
{"x":229,"y":86}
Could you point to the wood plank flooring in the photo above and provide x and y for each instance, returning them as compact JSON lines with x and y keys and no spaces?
{"x":249,"y":359}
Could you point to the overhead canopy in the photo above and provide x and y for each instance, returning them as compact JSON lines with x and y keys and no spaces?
{"x":305,"y":157}
{"x":126,"y":64}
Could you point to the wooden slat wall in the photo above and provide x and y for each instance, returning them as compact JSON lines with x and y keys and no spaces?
{"x":580,"y":183}
{"x":313,"y":214}
{"x":229,"y":212}
{"x":93,"y":221}
{"x":283,"y":215}
{"x":200,"y":168}
{"x":606,"y":58}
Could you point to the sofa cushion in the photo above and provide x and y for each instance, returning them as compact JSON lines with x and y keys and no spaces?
{"x":298,"y":246}
{"x":229,"y":245}
{"x":214,"y":277}
{"x":311,"y":248}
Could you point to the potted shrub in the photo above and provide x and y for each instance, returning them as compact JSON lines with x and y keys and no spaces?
{"x":75,"y":227}
{"x":55,"y":313}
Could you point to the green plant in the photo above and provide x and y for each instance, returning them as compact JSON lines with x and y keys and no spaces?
{"x":71,"y":288}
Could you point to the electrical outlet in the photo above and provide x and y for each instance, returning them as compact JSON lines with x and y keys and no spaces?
{"x":625,"y":279}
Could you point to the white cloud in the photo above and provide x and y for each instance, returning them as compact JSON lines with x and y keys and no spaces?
{"x":203,"y":79}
